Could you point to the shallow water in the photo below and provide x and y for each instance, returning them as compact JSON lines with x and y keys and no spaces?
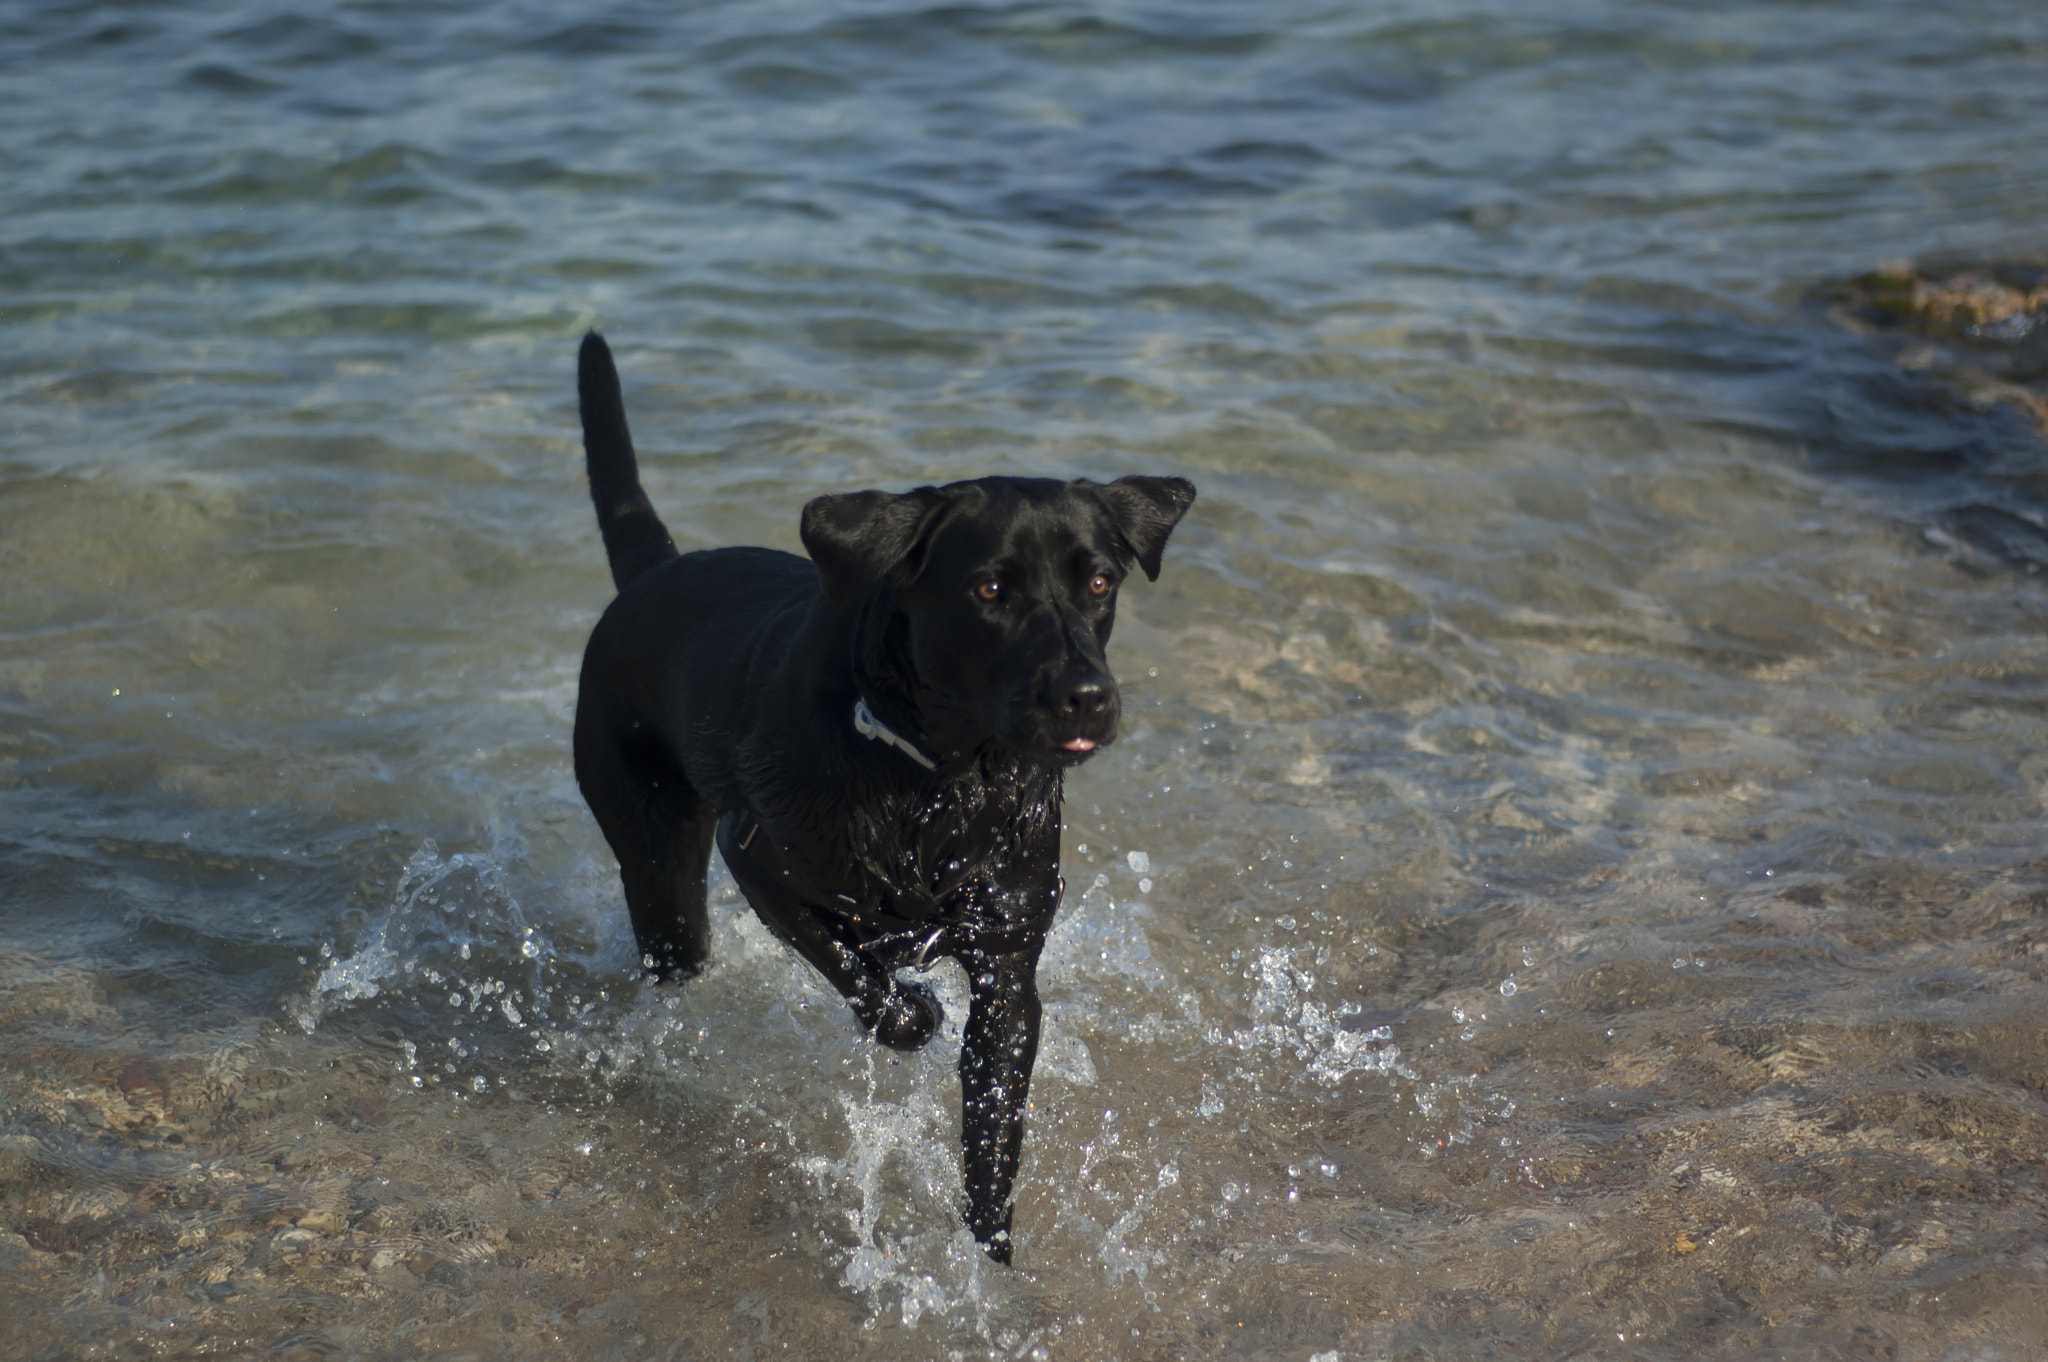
{"x":1573,"y":881}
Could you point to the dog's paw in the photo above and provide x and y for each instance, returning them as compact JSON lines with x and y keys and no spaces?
{"x":992,"y":1234}
{"x":670,"y":968}
{"x":905,"y":1017}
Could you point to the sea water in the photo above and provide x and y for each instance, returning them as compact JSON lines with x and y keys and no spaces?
{"x":1572,"y":881}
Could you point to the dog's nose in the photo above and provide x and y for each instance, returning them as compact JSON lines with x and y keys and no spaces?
{"x":1083,"y":695}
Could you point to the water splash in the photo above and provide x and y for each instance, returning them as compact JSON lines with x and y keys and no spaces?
{"x":897,"y":1183}
{"x":1097,"y":940}
{"x":1291,"y":1023}
{"x":1062,"y":1054}
{"x":449,"y":916}
{"x":486,"y":1000}
{"x":1312,"y":1031}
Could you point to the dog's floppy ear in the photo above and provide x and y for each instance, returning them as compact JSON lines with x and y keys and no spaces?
{"x":859,"y":538}
{"x":1144,"y":511}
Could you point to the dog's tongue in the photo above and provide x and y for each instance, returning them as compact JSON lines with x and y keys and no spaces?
{"x":1080,"y":744}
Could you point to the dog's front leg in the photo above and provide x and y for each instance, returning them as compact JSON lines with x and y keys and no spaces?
{"x":900,"y":1016}
{"x":996,"y":1053}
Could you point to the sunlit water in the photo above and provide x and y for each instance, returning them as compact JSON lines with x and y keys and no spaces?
{"x":1573,"y":881}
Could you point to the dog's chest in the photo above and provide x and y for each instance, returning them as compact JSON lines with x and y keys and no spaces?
{"x":951,"y":850}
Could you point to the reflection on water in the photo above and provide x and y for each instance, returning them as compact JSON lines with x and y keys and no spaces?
{"x":1572,"y":883}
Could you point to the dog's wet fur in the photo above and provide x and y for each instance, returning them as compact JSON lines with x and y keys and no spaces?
{"x":874,"y":738}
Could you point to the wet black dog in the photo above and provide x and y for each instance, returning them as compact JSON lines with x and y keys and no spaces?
{"x":875,"y":739}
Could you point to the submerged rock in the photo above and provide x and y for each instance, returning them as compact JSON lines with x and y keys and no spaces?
{"x":2000,"y":302}
{"x":1984,"y":325}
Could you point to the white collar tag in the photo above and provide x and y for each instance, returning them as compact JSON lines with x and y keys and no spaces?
{"x":868,"y":726}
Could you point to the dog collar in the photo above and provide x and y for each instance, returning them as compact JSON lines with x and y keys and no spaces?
{"x":868,"y":726}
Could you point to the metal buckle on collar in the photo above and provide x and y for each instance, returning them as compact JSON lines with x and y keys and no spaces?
{"x":894,"y":950}
{"x":921,"y":963}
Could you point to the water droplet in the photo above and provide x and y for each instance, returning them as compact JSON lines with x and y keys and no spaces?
{"x":1231,"y":1191}
{"x":1168,"y":1175}
{"x":1139,"y":862}
{"x":1327,"y":1169}
{"x":1293,"y":1170}
{"x":1145,"y":886}
{"x":1507,"y":988}
{"x":1293,"y":1195}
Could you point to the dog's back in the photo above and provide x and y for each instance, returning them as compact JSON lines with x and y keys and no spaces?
{"x":708,"y":622}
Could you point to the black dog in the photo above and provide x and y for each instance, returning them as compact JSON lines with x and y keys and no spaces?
{"x":875,"y":738}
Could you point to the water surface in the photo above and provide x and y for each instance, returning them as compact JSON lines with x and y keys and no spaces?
{"x":1573,"y":881}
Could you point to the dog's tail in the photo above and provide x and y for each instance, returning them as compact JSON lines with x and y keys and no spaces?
{"x":634,"y":537}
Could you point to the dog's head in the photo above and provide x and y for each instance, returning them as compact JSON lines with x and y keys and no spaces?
{"x":998,"y":598}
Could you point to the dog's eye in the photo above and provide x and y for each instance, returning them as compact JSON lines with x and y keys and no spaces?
{"x":1099,"y":584}
{"x":990,"y":590}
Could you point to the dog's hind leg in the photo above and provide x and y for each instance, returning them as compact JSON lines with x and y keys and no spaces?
{"x":666,"y":899}
{"x":661,"y":831}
